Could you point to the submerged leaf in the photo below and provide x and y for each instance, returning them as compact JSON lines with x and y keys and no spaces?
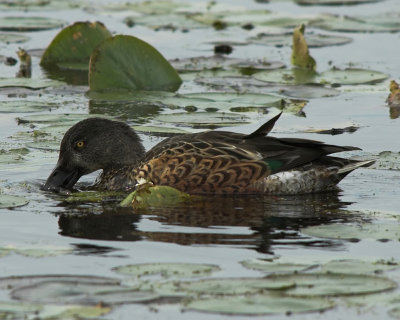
{"x":8,"y":201}
{"x":300,"y":54}
{"x":75,"y":43}
{"x":128,"y":63}
{"x":146,"y":196}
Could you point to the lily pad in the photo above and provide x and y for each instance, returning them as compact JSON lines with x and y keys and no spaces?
{"x":55,"y":118}
{"x":93,"y":196}
{"x":375,"y":231}
{"x":259,"y":305}
{"x":354,"y":266}
{"x":387,"y":160}
{"x":274,"y":267}
{"x":75,"y":43}
{"x":46,"y":145}
{"x":12,"y":37}
{"x":24,"y":106}
{"x":314,"y":40}
{"x":388,"y":22}
{"x":38,"y":251}
{"x":128,"y":63}
{"x":204,"y":119}
{"x":146,"y":196}
{"x":28,"y":83}
{"x":13,"y":155}
{"x":78,"y":293}
{"x":333,"y":284}
{"x":167,"y":270}
{"x":29,"y":23}
{"x":332,"y":2}
{"x":168,"y":21}
{"x":9,"y":201}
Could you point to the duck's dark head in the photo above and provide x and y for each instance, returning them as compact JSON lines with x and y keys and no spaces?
{"x":94,"y":144}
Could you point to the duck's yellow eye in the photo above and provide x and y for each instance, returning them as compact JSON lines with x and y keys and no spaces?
{"x":80,"y":144}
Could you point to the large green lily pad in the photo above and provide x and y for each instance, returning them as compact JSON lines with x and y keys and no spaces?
{"x":128,"y":63}
{"x":28,"y":83}
{"x":259,"y":304}
{"x":75,"y":43}
{"x":168,"y":270}
{"x":168,"y":21}
{"x":276,"y":267}
{"x":333,"y":284}
{"x":203,"y":119}
{"x":9,"y":201}
{"x":29,"y":23}
{"x":361,"y":231}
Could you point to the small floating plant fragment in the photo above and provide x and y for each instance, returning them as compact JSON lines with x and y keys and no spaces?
{"x":167,"y":270}
{"x":393,"y":99}
{"x":259,"y":304}
{"x":22,"y":24}
{"x":10,"y":201}
{"x":361,"y":231}
{"x":300,"y":54}
{"x":146,"y":196}
{"x":127,"y":63}
{"x":74,"y":44}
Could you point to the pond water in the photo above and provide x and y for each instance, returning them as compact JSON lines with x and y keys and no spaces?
{"x":356,"y":227}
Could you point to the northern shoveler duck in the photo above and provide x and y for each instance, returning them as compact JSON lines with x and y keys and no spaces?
{"x":199,"y":163}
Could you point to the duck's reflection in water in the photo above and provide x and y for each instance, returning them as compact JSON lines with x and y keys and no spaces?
{"x":246,"y":221}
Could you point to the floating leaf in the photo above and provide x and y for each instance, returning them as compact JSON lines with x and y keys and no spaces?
{"x":332,"y":2}
{"x":55,"y":118}
{"x":25,"y":106}
{"x":167,"y":270}
{"x":204,"y":119}
{"x":13,"y":155}
{"x":13,"y":38}
{"x":29,"y":23}
{"x":387,"y":160}
{"x":125,"y":62}
{"x":93,"y":196}
{"x":395,"y":312}
{"x":375,"y":231}
{"x":168,"y":21}
{"x":300,"y":54}
{"x":334,"y":284}
{"x":354,"y":266}
{"x":259,"y":304}
{"x":75,"y":43}
{"x":28,"y":83}
{"x":38,"y":251}
{"x":274,"y":267}
{"x":146,"y":196}
{"x":313,"y":40}
{"x":8,"y":201}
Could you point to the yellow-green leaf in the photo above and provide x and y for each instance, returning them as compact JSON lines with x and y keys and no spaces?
{"x":300,"y":54}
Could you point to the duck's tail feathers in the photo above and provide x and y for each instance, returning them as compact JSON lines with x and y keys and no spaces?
{"x":354,"y":165}
{"x":264,"y":129}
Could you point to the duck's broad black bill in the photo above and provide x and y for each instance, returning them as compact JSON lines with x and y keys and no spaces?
{"x":61,"y":178}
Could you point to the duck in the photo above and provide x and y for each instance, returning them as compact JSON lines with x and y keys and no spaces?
{"x":209,"y":162}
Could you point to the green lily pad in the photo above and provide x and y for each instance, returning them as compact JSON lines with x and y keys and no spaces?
{"x":50,"y":312}
{"x":24,"y":106}
{"x":233,"y":286}
{"x":332,"y":2}
{"x":55,"y":118}
{"x":349,"y":76}
{"x":274,"y":267}
{"x":167,"y":21}
{"x":361,"y":231}
{"x":38,"y":251}
{"x":13,"y":155}
{"x":128,"y":63}
{"x":13,"y":37}
{"x":387,"y":160}
{"x":388,"y":22}
{"x":354,"y":266}
{"x":75,"y":43}
{"x":92,"y":196}
{"x":28,"y":83}
{"x":46,"y":145}
{"x":333,"y":284}
{"x":314,"y":40}
{"x":8,"y":201}
{"x":203,"y":119}
{"x":167,"y":270}
{"x":146,"y":196}
{"x":259,"y":305}
{"x":78,"y":293}
{"x":29,"y":23}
